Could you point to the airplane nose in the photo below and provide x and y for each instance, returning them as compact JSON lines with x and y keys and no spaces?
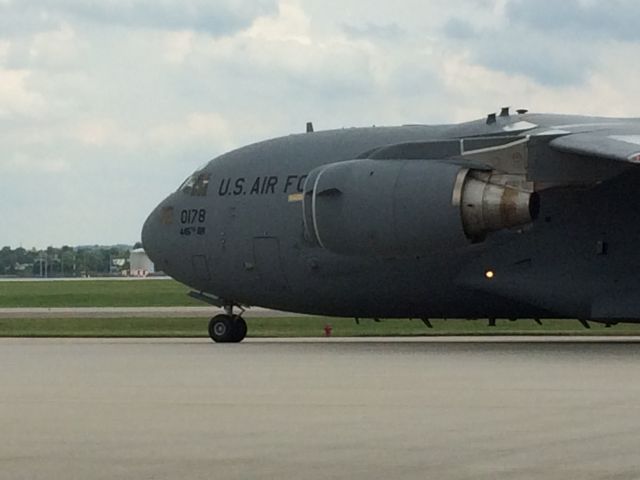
{"x":153,"y":234}
{"x":148,"y":235}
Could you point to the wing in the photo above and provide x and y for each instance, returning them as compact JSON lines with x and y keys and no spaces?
{"x":613,"y":146}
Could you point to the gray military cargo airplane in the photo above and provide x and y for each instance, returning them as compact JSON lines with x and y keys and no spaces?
{"x":517,"y":215}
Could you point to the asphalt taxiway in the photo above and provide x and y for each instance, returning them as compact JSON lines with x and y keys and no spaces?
{"x":319,"y":409}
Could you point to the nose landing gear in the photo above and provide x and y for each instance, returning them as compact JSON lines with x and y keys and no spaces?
{"x":225,"y":328}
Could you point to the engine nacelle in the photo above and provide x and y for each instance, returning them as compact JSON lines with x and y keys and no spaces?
{"x":406,"y":207}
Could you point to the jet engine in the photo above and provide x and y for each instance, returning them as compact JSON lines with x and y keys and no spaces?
{"x":407,"y":207}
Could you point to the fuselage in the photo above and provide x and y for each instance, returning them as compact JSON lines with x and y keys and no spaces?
{"x":235,"y":230}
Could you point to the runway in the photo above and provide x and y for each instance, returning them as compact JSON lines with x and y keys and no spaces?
{"x":321,"y":409}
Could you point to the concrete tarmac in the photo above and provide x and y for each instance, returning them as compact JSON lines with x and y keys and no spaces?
{"x":322,"y":409}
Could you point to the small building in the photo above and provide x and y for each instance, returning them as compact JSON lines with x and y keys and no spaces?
{"x":140,"y":264}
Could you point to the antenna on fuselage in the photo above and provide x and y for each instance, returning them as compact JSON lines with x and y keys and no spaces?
{"x":309,"y":127}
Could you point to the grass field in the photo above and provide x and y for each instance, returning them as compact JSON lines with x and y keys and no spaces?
{"x":105,"y":293}
{"x":290,"y":327}
{"x":95,"y":293}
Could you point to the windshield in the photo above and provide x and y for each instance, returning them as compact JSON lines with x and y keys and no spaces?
{"x":196,"y":185}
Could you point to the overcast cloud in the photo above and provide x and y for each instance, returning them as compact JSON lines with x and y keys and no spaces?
{"x":106,"y":106}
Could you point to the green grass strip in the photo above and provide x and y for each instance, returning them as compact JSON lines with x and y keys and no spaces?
{"x":95,"y":293}
{"x":290,"y":327}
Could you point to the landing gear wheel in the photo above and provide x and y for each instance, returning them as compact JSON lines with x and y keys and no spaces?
{"x":225,"y":329}
{"x":221,"y":329}
{"x":239,"y":329}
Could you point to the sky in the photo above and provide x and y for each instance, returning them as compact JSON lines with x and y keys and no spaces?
{"x":105,"y":107}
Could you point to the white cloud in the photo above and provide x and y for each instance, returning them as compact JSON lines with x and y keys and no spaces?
{"x":177,"y":46}
{"x":196,"y":126}
{"x":290,"y":24}
{"x":24,"y":165}
{"x":557,"y":44}
{"x":101,"y":132}
{"x":4,"y":50}
{"x":56,"y":48}
{"x":16,"y":99}
{"x":217,"y":18}
{"x":579,"y":19}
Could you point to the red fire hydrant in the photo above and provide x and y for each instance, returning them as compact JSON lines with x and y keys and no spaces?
{"x":327,"y":330}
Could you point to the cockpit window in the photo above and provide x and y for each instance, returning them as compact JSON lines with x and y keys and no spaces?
{"x":187,"y":185}
{"x":196,"y":185}
{"x":201,"y":186}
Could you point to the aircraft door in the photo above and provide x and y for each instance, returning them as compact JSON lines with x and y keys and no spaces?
{"x":268,"y":264}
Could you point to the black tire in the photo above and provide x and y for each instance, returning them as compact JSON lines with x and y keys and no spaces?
{"x":239,"y":329}
{"x":221,"y":329}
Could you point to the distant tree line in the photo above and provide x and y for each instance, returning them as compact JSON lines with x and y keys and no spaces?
{"x":65,"y":261}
